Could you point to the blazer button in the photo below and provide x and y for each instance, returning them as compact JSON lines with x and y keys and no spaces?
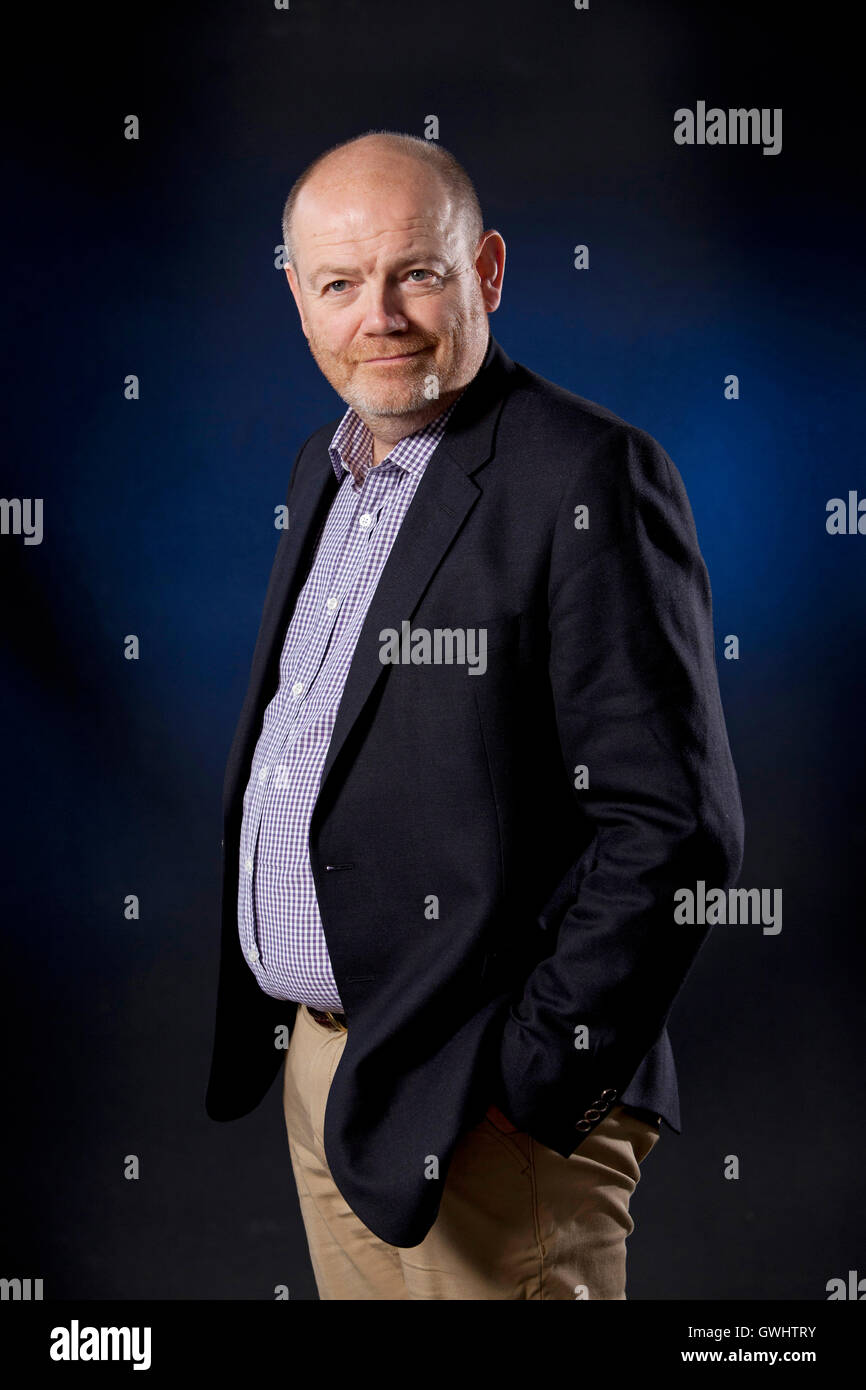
{"x":584,"y":1126}
{"x":611,"y":1093}
{"x":592,"y":1114}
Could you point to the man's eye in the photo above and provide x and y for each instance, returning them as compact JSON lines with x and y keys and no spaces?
{"x":337,"y":286}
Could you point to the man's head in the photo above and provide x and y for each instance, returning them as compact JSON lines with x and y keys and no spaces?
{"x":388,"y":259}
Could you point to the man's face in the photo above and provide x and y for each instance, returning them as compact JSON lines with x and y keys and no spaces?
{"x":392,"y":299}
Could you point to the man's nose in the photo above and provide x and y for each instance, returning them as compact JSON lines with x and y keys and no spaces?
{"x":383,"y":310}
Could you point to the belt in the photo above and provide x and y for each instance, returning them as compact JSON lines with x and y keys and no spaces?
{"x":336,"y":1022}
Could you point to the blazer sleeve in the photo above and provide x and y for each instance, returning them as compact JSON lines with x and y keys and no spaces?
{"x":635,"y":688}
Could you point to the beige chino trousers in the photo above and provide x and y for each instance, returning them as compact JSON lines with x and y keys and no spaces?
{"x":516,"y":1221}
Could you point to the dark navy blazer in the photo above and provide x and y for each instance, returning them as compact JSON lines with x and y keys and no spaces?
{"x":501,"y":924}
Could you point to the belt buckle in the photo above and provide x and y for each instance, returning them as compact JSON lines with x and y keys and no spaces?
{"x":335,"y":1021}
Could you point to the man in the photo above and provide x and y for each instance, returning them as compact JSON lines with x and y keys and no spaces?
{"x":481,"y":749}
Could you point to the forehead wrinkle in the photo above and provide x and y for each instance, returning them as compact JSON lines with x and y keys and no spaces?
{"x":347,"y":249}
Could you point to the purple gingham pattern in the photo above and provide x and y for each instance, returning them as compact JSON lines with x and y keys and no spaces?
{"x":279,"y":924}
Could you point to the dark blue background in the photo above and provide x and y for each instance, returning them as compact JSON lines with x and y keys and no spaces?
{"x":157,"y":258}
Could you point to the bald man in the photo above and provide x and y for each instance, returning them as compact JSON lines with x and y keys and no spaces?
{"x":481,"y":750}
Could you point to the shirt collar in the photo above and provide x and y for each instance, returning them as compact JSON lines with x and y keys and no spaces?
{"x":351,"y":447}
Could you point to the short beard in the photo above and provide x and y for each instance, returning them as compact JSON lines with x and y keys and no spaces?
{"x":374,"y":409}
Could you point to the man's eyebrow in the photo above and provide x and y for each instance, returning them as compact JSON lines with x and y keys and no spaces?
{"x":333,"y":270}
{"x":345,"y":272}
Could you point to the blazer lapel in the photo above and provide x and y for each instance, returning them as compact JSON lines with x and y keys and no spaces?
{"x":443,"y":499}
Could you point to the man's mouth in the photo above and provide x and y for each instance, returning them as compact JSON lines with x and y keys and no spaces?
{"x":393,"y":357}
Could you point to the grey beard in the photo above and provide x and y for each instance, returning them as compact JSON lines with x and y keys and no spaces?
{"x":361,"y":403}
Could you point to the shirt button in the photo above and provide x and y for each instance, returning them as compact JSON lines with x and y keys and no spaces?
{"x":298,"y":688}
{"x":248,"y":865}
{"x":252,"y":953}
{"x":366,"y":521}
{"x":332,"y":603}
{"x":263,"y":774}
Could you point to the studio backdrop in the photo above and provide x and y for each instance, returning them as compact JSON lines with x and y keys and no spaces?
{"x":674,"y":184}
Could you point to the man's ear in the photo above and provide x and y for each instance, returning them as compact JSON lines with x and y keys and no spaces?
{"x":296,"y":295}
{"x":490,"y":268}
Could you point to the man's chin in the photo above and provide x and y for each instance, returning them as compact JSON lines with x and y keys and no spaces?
{"x":386,"y":406}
